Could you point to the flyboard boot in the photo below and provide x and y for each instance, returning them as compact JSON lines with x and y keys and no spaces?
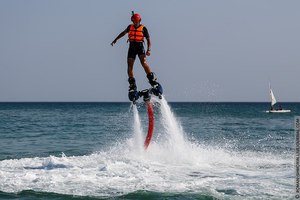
{"x":156,"y":89}
{"x":133,"y":94}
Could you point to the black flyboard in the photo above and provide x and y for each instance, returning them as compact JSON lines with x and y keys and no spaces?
{"x":146,"y":93}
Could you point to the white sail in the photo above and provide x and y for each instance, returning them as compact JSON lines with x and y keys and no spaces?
{"x":273,"y":100}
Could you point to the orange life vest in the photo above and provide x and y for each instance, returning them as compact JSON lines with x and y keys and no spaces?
{"x":136,"y":34}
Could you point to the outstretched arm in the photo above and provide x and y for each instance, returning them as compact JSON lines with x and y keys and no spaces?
{"x":118,"y":37}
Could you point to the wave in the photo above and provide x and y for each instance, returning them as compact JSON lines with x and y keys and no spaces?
{"x":142,"y":194}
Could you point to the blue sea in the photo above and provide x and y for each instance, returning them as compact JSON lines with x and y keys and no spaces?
{"x":54,"y":151}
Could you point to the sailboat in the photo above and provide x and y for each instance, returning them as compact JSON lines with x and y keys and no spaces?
{"x":273,"y":102}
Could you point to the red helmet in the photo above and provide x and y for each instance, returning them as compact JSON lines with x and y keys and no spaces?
{"x":136,"y":17}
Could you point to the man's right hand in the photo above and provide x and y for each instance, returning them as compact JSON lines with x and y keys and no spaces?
{"x":113,"y":42}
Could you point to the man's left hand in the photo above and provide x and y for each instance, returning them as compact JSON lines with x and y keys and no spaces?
{"x":148,"y":52}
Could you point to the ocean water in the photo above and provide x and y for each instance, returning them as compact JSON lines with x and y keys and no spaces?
{"x":95,"y":151}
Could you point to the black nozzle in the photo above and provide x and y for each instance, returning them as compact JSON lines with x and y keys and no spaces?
{"x":146,"y":94}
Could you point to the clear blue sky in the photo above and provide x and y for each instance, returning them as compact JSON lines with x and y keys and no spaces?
{"x":201,"y":50}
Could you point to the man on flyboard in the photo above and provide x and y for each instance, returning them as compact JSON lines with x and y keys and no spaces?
{"x":136,"y":34}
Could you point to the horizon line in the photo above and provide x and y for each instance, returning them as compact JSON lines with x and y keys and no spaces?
{"x":130,"y":102}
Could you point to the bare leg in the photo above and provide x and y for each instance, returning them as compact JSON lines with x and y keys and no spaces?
{"x":130,"y":62}
{"x":133,"y":95}
{"x":145,"y":64}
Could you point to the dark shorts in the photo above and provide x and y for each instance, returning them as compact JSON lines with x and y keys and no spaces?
{"x":135,"y":48}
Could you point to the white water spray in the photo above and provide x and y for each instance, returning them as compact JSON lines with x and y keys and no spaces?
{"x":171,"y":130}
{"x":171,"y":148}
{"x":171,"y":125}
{"x":137,"y":129}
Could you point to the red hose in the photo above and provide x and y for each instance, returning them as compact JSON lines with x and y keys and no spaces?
{"x":150,"y":125}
